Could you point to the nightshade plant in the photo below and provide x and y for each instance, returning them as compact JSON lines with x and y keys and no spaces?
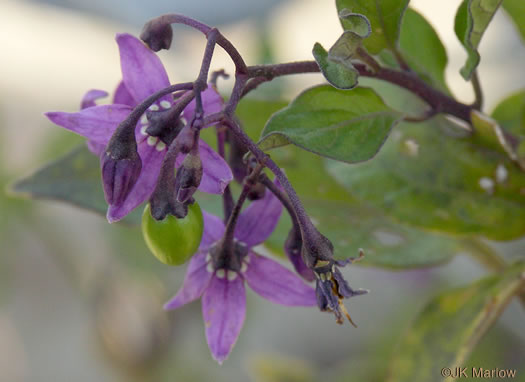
{"x":396,"y":158}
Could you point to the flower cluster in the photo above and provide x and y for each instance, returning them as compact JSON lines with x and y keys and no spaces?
{"x":140,"y":143}
{"x":142,"y":75}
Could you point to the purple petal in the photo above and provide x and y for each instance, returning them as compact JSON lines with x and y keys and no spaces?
{"x":91,"y":96}
{"x":223,"y":310}
{"x":195,"y":282}
{"x":212,"y":103}
{"x":142,"y":71}
{"x":216,"y":172}
{"x":122,"y":96}
{"x":258,"y":221}
{"x":95,"y":123}
{"x":213,"y":230}
{"x":151,"y":163}
{"x":96,"y":148}
{"x":272,"y":281}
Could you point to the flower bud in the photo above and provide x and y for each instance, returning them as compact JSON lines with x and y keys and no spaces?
{"x":157,"y":35}
{"x":292,"y":248}
{"x":120,"y":171}
{"x":188,"y":178}
{"x":186,"y":139}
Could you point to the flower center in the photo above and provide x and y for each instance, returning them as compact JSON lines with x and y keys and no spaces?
{"x":228,"y":264}
{"x":166,"y":133}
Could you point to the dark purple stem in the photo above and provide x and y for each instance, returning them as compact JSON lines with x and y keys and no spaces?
{"x":174,"y":18}
{"x":304,"y":221}
{"x":439,"y":102}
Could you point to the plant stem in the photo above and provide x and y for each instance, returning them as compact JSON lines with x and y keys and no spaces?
{"x":478,"y":102}
{"x":279,"y":194}
{"x":249,"y":181}
{"x":438,"y":101}
{"x":173,"y":18}
{"x":304,"y":221}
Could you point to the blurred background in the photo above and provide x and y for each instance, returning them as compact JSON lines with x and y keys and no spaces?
{"x":81,"y":300}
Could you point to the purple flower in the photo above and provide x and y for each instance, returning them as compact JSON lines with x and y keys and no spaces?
{"x":217,"y":274}
{"x":143,"y":75}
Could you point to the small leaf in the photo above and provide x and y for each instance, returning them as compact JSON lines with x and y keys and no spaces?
{"x":423,"y":50}
{"x":341,"y":76}
{"x":346,"y":126}
{"x":472,"y":19}
{"x":510,"y":113}
{"x":356,"y":23}
{"x":451,"y":325}
{"x":429,"y":179}
{"x":516,"y":10}
{"x":384,"y":17}
{"x":74,"y":178}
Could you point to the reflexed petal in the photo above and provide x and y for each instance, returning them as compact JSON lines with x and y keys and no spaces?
{"x":195,"y":282}
{"x":95,"y":147}
{"x":212,"y":103}
{"x":272,"y":281}
{"x":151,"y":163}
{"x":95,"y":123}
{"x":258,"y":221}
{"x":216,"y":172}
{"x":213,"y":230}
{"x":91,"y":96}
{"x":223,"y":310}
{"x":142,"y":71}
{"x":122,"y":96}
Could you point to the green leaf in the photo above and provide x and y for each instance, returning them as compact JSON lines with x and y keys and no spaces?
{"x":74,"y":178}
{"x":341,"y":76}
{"x":510,"y":113}
{"x":347,"y":126}
{"x":472,"y":18}
{"x":356,"y":23}
{"x":451,"y":325}
{"x":516,"y":10}
{"x":423,"y":50}
{"x":385,"y":19}
{"x":347,"y":222}
{"x":427,"y":178}
{"x":489,"y":133}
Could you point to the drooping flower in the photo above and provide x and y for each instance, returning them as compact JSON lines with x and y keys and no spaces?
{"x":143,"y":74}
{"x":218,"y":274}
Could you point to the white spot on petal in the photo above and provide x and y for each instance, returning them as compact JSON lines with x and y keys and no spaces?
{"x":154,"y":107}
{"x":501,"y":174}
{"x":209,"y":267}
{"x":144,"y":119}
{"x":247,"y":259}
{"x":152,"y":141}
{"x":244,"y":267}
{"x":143,"y":130}
{"x":486,"y":184}
{"x":231,"y":275}
{"x":165,"y":104}
{"x":160,"y":146}
{"x":221,"y":273}
{"x":207,"y":258}
{"x":183,"y":120}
